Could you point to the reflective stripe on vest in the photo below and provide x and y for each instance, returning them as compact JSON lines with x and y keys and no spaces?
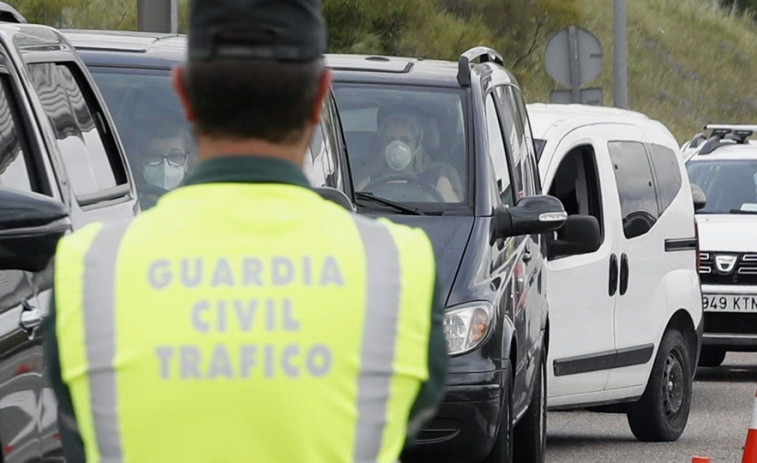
{"x":100,"y":332}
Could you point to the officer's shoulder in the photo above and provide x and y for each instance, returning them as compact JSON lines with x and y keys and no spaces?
{"x":399,"y":232}
{"x":80,"y":239}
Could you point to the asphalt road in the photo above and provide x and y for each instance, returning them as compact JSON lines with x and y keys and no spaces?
{"x":720,"y":416}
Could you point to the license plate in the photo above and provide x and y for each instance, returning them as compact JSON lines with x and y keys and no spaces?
{"x":729,"y":303}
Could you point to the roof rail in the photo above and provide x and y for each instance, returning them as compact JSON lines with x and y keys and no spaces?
{"x":485,"y":54}
{"x":10,"y":15}
{"x":725,"y":134}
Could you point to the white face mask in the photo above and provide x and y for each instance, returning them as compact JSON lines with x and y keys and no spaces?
{"x":398,"y":155}
{"x":163,"y":175}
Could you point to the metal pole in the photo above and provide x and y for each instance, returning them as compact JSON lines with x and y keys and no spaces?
{"x":575,"y":71}
{"x":620,"y":55}
{"x":154,"y":15}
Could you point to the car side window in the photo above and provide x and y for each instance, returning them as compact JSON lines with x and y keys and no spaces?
{"x":520,"y":108}
{"x":638,"y":198}
{"x":15,"y":170}
{"x":577,"y":185}
{"x":316,"y":166}
{"x":89,"y":151}
{"x":667,"y":172}
{"x":498,"y":153}
{"x":514,"y":140}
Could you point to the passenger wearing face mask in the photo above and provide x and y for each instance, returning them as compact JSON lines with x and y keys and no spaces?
{"x":408,"y":143}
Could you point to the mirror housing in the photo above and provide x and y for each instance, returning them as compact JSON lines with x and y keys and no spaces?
{"x":336,"y":196}
{"x":532,"y":215}
{"x":30,"y":227}
{"x":700,"y":199}
{"x":580,"y":235}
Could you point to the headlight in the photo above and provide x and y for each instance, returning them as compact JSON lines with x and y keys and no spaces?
{"x":466,"y":327}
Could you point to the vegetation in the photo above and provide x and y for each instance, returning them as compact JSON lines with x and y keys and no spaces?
{"x":690,"y":61}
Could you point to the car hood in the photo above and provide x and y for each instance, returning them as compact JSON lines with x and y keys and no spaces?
{"x":732,"y":233}
{"x":449,"y":236}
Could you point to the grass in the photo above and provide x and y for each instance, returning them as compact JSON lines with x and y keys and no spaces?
{"x":689,"y":62}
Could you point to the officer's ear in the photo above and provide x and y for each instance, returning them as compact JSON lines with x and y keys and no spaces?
{"x":179,"y":84}
{"x":324,"y":87}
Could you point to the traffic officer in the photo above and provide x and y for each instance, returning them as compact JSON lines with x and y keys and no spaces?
{"x":245,"y":318}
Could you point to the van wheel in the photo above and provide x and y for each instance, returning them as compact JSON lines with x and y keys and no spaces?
{"x":662,"y":412}
{"x":502,"y":452}
{"x":711,"y":357}
{"x":531,"y":431}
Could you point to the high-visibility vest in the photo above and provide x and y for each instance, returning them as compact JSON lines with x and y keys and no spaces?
{"x":244,"y":322}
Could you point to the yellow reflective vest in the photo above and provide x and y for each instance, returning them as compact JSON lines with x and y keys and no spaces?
{"x":287,"y":330}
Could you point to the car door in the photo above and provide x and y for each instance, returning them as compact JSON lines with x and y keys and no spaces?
{"x":582,"y":289}
{"x":528,"y":269}
{"x":641,"y":291}
{"x":21,"y":361}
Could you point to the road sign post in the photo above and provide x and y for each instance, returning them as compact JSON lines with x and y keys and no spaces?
{"x":574,"y":58}
{"x":620,"y":55}
{"x":158,"y":16}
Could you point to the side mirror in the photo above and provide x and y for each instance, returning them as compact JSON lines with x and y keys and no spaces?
{"x":700,"y":199}
{"x":531,"y":216}
{"x":30,"y":227}
{"x":336,"y":196}
{"x":579,"y":235}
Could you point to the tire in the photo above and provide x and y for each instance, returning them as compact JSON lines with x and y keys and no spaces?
{"x":663,"y":411}
{"x":502,"y":452}
{"x":531,"y":431}
{"x":711,"y":357}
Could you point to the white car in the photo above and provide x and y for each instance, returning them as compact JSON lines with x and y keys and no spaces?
{"x":723,"y":163}
{"x":625,"y":316}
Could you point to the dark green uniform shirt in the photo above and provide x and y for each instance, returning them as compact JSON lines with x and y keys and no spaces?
{"x":248,"y":169}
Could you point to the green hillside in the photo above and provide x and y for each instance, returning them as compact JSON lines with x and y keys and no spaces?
{"x":689,"y":62}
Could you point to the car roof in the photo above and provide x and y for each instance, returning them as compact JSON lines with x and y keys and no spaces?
{"x":546,"y":117}
{"x":126,"y":48}
{"x":730,"y":152}
{"x":391,"y":69}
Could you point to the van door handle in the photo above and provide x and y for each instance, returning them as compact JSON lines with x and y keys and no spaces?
{"x":527,"y":254}
{"x":31,"y":319}
{"x":623,"y":274}
{"x":613,"y":274}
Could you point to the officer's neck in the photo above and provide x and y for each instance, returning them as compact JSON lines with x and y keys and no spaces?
{"x":211,"y":148}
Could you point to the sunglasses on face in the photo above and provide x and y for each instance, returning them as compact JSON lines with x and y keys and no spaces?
{"x":175,"y":158}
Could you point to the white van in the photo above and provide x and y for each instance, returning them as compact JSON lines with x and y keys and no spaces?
{"x":626,"y":307}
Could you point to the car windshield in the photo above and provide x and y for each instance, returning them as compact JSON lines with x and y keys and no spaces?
{"x":407,"y":145}
{"x":156,"y":137}
{"x":730,"y":186}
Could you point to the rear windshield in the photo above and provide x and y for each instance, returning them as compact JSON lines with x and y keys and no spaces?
{"x":407,"y":144}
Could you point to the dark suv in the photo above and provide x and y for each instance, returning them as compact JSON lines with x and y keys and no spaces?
{"x":447,"y":147}
{"x":133,"y":69}
{"x":61,"y":167}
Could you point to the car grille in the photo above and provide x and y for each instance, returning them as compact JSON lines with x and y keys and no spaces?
{"x":743,"y":273}
{"x":730,"y":323}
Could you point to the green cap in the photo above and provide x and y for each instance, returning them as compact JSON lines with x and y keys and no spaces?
{"x":286,"y":30}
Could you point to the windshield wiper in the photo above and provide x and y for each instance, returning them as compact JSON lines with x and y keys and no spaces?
{"x":741,"y":211}
{"x":370,"y":197}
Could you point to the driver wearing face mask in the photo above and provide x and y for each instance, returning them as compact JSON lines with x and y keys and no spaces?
{"x":403,"y":138}
{"x":164,"y":163}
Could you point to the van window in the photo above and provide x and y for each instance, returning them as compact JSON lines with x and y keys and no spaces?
{"x":89,"y":154}
{"x":497,"y":153}
{"x":667,"y":173}
{"x":638,"y":198}
{"x":576,"y":184}
{"x":515,"y":140}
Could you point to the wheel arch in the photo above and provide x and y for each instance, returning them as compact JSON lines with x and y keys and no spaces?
{"x":681,"y":321}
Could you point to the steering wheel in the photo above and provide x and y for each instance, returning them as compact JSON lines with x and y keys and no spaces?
{"x":416,"y":182}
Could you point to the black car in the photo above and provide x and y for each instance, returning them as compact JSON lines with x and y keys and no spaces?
{"x":61,"y":167}
{"x":447,"y":147}
{"x":133,"y":70}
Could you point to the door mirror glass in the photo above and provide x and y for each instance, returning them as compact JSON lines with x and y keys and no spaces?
{"x":580,"y":235}
{"x":336,"y":196}
{"x":700,"y":199}
{"x":532,"y":215}
{"x":30,"y":227}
